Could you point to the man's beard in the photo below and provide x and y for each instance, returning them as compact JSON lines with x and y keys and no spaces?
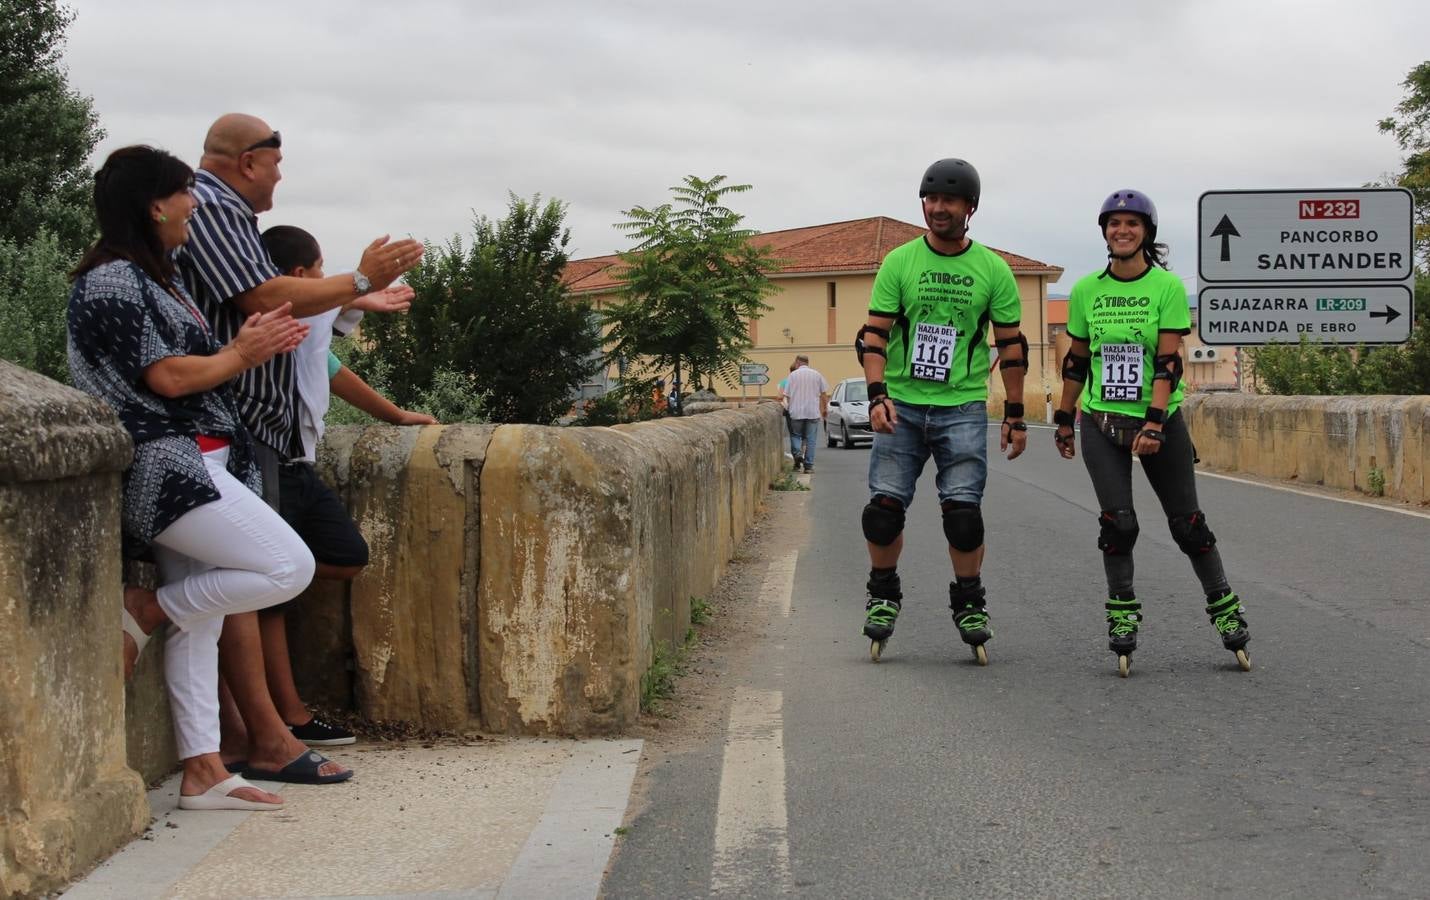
{"x":954,"y":231}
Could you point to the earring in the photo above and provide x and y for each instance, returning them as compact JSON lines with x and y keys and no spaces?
{"x":163,"y":218}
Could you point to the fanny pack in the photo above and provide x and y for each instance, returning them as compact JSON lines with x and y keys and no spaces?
{"x":1121,"y":430}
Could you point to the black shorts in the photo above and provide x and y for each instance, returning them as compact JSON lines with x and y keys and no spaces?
{"x":319,"y":517}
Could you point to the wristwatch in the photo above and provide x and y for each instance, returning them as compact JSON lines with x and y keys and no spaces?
{"x":360,"y":283}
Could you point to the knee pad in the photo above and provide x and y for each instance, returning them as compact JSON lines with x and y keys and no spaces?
{"x":962,"y":525}
{"x":1191,"y":533}
{"x":883,"y":521}
{"x":1119,"y":531}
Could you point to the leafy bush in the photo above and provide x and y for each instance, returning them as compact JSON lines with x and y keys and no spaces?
{"x":33,"y":296}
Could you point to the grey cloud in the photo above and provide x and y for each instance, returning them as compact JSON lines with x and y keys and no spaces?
{"x":411,"y":117}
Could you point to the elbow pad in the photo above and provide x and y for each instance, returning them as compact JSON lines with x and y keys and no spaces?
{"x":1022,"y":341}
{"x":1075,"y":368}
{"x":860,"y":348}
{"x":1168,"y":368}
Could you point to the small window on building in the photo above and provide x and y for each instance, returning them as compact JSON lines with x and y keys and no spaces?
{"x":829,"y":288}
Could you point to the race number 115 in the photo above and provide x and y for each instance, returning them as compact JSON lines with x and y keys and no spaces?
{"x":1330,"y":209}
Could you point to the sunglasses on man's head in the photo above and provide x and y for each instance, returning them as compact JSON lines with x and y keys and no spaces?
{"x":274,"y":140}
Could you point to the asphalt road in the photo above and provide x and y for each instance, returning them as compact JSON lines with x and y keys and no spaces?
{"x":1044,"y":774}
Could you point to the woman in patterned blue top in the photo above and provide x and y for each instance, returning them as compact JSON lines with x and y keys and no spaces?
{"x":137,"y":342}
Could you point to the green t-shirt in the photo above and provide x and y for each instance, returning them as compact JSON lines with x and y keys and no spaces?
{"x":1121,"y":320}
{"x":938,"y":353}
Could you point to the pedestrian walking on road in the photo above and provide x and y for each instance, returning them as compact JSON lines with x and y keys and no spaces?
{"x":784,"y":405}
{"x":926,"y":361}
{"x":807,"y":393}
{"x":1124,"y":369}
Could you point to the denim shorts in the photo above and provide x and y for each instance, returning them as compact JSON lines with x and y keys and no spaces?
{"x":956,"y":437}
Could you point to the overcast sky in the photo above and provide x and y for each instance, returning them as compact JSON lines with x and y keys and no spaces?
{"x":409,"y":117}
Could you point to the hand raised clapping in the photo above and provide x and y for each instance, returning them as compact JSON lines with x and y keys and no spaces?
{"x":265,"y":335}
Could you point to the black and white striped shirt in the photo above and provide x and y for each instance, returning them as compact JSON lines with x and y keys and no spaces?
{"x":223,"y":258}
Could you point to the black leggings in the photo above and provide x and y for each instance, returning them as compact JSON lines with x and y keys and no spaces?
{"x":1171,"y":474}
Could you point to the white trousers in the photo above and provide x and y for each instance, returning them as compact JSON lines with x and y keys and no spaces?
{"x":233,"y":555}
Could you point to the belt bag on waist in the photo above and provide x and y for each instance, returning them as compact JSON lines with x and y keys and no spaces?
{"x":1121,"y":430}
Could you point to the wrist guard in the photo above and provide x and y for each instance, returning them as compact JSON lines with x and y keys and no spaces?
{"x":1152,"y":434}
{"x":1012,"y":411}
{"x":1155,"y":415}
{"x":1063,"y":417}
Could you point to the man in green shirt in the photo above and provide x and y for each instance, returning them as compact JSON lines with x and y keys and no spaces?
{"x":926,"y":359}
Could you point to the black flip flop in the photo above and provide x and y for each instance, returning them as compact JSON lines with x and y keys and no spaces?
{"x":303,"y":770}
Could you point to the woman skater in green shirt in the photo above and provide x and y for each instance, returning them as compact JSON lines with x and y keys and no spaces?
{"x":1124,"y":370}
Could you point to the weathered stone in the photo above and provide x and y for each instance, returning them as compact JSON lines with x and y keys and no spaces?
{"x":593,"y":543}
{"x":49,"y":431}
{"x":66,"y":796}
{"x":566,"y":576}
{"x":320,"y":635}
{"x":1330,"y":441}
{"x":413,"y":610}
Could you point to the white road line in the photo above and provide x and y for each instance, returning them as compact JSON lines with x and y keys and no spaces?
{"x":752,"y":824}
{"x":1319,"y":496}
{"x":779,"y":581}
{"x":566,"y":854}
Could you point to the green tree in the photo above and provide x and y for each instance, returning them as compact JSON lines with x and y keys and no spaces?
{"x":1411,"y":129}
{"x":46,"y":212}
{"x":492,"y":319}
{"x":691,"y":284}
{"x":50,"y":130}
{"x":33,"y":294}
{"x":1310,"y":368}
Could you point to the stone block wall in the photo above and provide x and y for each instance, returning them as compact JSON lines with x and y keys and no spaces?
{"x":67,"y":798}
{"x":1331,"y":441}
{"x":520,"y":579}
{"x":521,"y":575}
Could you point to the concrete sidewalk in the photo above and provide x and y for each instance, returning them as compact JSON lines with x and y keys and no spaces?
{"x":494,"y":818}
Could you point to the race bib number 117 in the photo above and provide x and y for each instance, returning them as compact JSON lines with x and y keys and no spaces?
{"x":933,"y":351}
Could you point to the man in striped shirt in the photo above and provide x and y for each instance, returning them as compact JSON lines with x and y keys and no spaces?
{"x":229,"y":273}
{"x":227,"y":270}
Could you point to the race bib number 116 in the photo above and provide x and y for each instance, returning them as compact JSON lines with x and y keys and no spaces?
{"x":933,"y":351}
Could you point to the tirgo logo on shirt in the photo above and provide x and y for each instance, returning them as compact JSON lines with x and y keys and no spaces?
{"x":945,"y":278}
{"x":1120,"y":302}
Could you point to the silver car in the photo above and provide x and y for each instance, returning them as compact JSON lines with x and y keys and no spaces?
{"x":847,"y":422}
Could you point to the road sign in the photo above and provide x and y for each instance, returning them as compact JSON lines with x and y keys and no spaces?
{"x":754,"y":369}
{"x":754,"y":378}
{"x":1333,"y":264}
{"x":1318,"y":235}
{"x":1263,"y":313}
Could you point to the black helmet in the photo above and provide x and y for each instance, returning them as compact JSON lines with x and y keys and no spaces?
{"x":952,"y":176}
